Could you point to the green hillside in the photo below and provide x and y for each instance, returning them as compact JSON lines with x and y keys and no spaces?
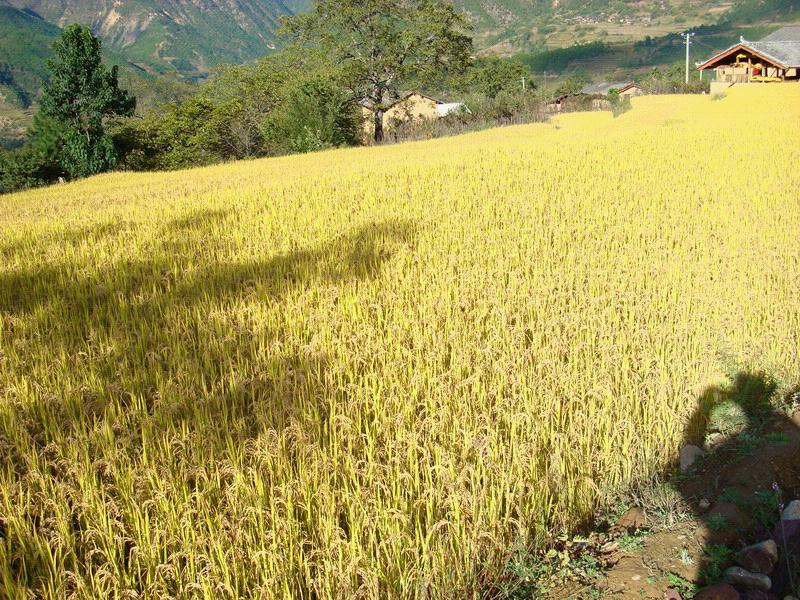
{"x":25,"y":46}
{"x":24,"y":49}
{"x":184,"y":36}
{"x":189,"y":37}
{"x":600,"y":58}
{"x":509,"y":26}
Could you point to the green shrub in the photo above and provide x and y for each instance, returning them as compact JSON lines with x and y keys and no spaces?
{"x":315,"y":114}
{"x":37,"y":163}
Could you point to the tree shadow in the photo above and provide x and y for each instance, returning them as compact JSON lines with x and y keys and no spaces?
{"x":750,"y":469}
{"x":125,"y":308}
{"x":189,"y":265}
{"x":166,"y":366}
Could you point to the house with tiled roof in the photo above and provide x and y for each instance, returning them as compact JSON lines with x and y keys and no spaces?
{"x":773,"y":58}
{"x":623,"y":88}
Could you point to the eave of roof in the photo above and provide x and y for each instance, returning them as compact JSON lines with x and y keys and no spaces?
{"x":786,"y":52}
{"x":603,"y":88}
{"x":742,"y":46}
{"x":420,"y":94}
{"x":780,"y":48}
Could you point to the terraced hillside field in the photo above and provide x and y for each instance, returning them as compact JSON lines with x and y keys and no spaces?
{"x":367,"y":373}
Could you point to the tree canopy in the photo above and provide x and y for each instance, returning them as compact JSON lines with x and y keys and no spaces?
{"x":492,"y":75}
{"x":80,"y":94}
{"x":380,"y":44}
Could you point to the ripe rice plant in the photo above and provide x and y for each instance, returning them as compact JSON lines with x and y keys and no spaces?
{"x":367,"y":373}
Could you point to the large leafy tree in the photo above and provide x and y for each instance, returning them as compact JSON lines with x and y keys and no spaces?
{"x":81,"y":94}
{"x":492,"y":75}
{"x":380,"y":45}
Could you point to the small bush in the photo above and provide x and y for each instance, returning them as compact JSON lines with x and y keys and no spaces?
{"x":619,"y":104}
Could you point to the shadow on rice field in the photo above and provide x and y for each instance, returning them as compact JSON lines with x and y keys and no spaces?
{"x":158,"y":361}
{"x":130,"y":307}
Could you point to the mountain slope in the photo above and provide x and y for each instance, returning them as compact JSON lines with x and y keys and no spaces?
{"x":612,"y":60}
{"x":26,"y":45}
{"x":507,"y":26}
{"x":191,"y":36}
{"x":188,"y":36}
{"x":24,"y":49}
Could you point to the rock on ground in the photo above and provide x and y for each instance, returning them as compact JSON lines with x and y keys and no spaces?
{"x":788,"y":533}
{"x":759,"y":595}
{"x":719,"y":591}
{"x":633,"y":519}
{"x":732,"y":519}
{"x":744,"y":578}
{"x":792,"y":511}
{"x":759,"y":558}
{"x":689,"y":455}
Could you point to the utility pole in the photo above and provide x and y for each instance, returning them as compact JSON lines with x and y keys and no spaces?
{"x":688,"y":40}
{"x":523,"y":84}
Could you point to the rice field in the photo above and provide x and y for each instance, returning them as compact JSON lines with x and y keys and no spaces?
{"x":368,"y":373}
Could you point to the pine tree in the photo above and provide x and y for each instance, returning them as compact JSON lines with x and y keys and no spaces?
{"x":80,"y":95}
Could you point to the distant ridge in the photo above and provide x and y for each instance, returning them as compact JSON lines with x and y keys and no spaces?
{"x":187,"y":36}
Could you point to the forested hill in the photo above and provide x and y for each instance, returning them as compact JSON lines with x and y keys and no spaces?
{"x":188,"y":36}
{"x":512,"y":26}
{"x":192,"y":36}
{"x":24,"y":49}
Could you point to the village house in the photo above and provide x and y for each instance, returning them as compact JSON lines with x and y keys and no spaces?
{"x":623,"y":88}
{"x":599,"y":93}
{"x":413,"y":106}
{"x":773,"y":58}
{"x":594,"y":96}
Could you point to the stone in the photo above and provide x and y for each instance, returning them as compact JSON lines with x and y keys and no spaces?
{"x":746,"y":579}
{"x":704,"y":504}
{"x":578,"y":545}
{"x":759,"y":558}
{"x":718,"y":591}
{"x":609,"y":547}
{"x":633,"y":519}
{"x":796,"y":418}
{"x":787,"y":533}
{"x":671,"y":594}
{"x":792,"y":511}
{"x":760,"y":595}
{"x":689,"y":455}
